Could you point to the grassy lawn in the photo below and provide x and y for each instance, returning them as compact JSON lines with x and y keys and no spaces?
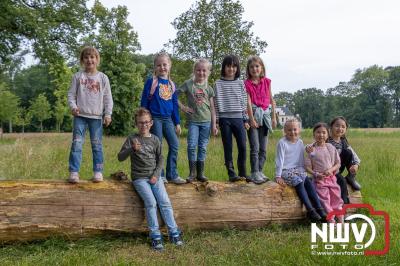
{"x":46,"y":157}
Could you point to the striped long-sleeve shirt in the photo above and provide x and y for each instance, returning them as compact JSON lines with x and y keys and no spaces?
{"x":230,"y":99}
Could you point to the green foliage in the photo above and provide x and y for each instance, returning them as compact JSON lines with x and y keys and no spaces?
{"x":213,"y":29}
{"x":393,"y":85}
{"x":309,"y":104}
{"x":51,"y":27}
{"x":40,"y":109}
{"x":117,"y":43}
{"x":9,"y":105}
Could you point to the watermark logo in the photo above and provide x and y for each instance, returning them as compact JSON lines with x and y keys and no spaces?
{"x":330,"y":237}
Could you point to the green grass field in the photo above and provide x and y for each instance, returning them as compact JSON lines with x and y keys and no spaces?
{"x":45,"y":156}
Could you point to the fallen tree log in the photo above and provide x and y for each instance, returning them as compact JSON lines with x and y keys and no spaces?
{"x":32,"y":210}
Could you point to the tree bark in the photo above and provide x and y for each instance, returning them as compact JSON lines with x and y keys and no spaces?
{"x":31,"y":210}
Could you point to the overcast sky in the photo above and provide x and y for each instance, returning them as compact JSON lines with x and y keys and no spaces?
{"x":311,"y":43}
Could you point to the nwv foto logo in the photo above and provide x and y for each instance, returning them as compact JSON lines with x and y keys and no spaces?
{"x":338,"y":235}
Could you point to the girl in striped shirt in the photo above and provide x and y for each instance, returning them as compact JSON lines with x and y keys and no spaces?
{"x":231,"y":112}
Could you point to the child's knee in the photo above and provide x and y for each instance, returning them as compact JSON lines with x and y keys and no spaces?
{"x":77,"y":143}
{"x":96,"y":144}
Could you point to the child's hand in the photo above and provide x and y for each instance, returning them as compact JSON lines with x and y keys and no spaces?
{"x":253,"y":123}
{"x":75,"y":111}
{"x":107,"y":121}
{"x":215,"y":130}
{"x":353,"y":169}
{"x":188,"y":110}
{"x":136,"y":146}
{"x":309,"y":148}
{"x":246,"y":125}
{"x":273,"y":123}
{"x":328,"y":172}
{"x":279,"y":180}
{"x":153,"y":180}
{"x":178,"y":129}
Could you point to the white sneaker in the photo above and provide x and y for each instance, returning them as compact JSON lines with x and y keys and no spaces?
{"x":73,"y":177}
{"x":98,"y":177}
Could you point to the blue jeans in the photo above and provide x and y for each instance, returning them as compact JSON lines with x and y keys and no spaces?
{"x":78,"y":138}
{"x":153,"y":195}
{"x":258,"y":147}
{"x":198,"y":136}
{"x":163,"y":126}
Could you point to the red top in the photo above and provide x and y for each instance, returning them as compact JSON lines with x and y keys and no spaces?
{"x":259,"y":93}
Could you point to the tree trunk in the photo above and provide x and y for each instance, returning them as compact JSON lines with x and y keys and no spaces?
{"x":34,"y":209}
{"x":41,"y":126}
{"x":10,"y":126}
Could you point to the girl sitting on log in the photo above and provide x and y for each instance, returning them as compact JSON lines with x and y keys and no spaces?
{"x":290,"y":170}
{"x":146,"y":164}
{"x":323,"y":163}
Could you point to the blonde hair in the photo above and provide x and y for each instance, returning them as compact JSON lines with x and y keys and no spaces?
{"x":291,"y":120}
{"x":158,"y":55}
{"x":257,"y":59}
{"x":89,"y":50}
{"x":208,"y":67}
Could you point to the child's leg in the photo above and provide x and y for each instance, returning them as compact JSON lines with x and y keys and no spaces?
{"x":204,"y":136}
{"x":254,"y":149}
{"x":156,"y":129}
{"x":312,"y":193}
{"x":343,"y":188}
{"x":346,"y":158}
{"x":192,"y":140}
{"x":78,"y":138}
{"x":263,"y":140}
{"x":143,"y":188}
{"x":239,"y":132}
{"x":226,"y":136}
{"x":96,"y":136}
{"x":173,"y":146}
{"x":302,"y":193}
{"x":323,"y":194}
{"x":334,"y":193}
{"x":161,"y":195}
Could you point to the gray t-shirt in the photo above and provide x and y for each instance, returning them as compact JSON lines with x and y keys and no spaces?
{"x":198,"y":97}
{"x":91,"y":94}
{"x":146,"y":162}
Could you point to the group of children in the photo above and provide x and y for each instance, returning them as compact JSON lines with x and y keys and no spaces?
{"x":234,"y":107}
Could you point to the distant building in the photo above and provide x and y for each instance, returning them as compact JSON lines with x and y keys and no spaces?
{"x":283,"y":114}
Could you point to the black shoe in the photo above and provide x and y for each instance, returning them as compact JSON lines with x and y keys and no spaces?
{"x":192,"y":172}
{"x":176,"y":239}
{"x":200,"y":172}
{"x":322,"y":213}
{"x":231,"y":172}
{"x":351,"y":179}
{"x":157,"y":244}
{"x":313,"y":215}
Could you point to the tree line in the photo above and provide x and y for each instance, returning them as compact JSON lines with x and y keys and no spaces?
{"x":34,"y":98}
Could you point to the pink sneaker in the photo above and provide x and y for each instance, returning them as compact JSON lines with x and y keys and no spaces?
{"x":73,"y":178}
{"x":98,"y":177}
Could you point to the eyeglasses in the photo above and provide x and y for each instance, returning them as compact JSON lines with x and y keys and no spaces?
{"x":144,"y":123}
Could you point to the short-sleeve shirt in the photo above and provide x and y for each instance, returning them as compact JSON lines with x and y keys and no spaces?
{"x":198,"y":98}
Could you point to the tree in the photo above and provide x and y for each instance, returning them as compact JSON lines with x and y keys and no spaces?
{"x":212,"y":30}
{"x":40,"y":109}
{"x":284,"y":98}
{"x":309,"y":104}
{"x":393,"y":83}
{"x":51,"y":28}
{"x":23,"y":118}
{"x":374,"y":96}
{"x":117,"y":43}
{"x":60,"y":110}
{"x":9,"y":104}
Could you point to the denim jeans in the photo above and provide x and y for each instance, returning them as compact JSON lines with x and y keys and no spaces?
{"x":198,"y":136}
{"x":258,"y":147}
{"x":234,"y":126}
{"x":153,"y":195}
{"x":308,"y":195}
{"x":163,"y":126}
{"x":78,"y":138}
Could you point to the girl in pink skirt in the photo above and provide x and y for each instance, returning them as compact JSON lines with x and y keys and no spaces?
{"x":323,"y":162}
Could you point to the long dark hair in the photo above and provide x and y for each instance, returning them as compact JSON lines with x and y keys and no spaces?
{"x":334,"y":121}
{"x":231,"y":60}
